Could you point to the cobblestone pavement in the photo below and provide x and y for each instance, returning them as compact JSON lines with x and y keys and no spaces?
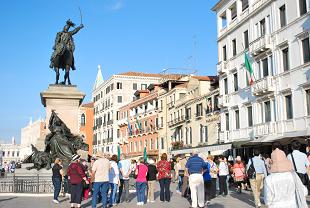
{"x":244,"y":200}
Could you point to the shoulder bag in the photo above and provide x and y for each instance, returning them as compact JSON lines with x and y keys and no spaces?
{"x":251,"y":171}
{"x":303,"y":177}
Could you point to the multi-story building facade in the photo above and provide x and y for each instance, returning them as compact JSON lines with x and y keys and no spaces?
{"x":276,"y":34}
{"x":139,"y":124}
{"x":108,"y":97}
{"x":86,"y":117}
{"x":189,"y":113}
{"x":33,"y":133}
{"x":10,"y":152}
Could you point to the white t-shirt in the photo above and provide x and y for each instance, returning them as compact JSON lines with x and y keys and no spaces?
{"x":223,"y":169}
{"x":301,"y":161}
{"x":125,"y":166}
{"x":114,"y":173}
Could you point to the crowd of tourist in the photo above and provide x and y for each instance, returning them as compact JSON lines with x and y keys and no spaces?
{"x":199,"y":178}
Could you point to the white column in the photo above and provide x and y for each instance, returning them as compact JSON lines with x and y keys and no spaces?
{"x":228,"y":16}
{"x":239,"y":7}
{"x":219,"y":24}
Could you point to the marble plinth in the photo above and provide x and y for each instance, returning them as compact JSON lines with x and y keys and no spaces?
{"x":65,"y":100}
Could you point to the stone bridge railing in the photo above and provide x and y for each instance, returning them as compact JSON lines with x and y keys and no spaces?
{"x":26,"y":184}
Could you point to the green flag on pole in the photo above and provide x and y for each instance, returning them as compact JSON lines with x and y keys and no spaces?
{"x":248,"y":67}
{"x":118,"y":152}
{"x":145,"y":154}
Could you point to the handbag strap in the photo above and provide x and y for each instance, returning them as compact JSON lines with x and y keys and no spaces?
{"x":252,"y":164}
{"x":294,"y":162}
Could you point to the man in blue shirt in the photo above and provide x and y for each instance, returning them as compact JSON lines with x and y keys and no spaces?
{"x":196,"y":167}
{"x":261,"y":172}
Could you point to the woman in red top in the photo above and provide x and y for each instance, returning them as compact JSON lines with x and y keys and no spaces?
{"x":76,"y":175}
{"x":238,"y":173}
{"x":164,"y":177}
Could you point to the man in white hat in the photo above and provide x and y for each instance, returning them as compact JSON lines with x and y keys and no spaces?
{"x":100,"y":171}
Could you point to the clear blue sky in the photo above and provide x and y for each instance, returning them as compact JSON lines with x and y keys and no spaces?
{"x":120,"y":35}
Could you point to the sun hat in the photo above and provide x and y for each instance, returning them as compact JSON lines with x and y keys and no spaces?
{"x":99,"y":155}
{"x":187,"y":155}
{"x":279,"y":162}
{"x":238,"y":158}
{"x":151,"y":162}
{"x":75,"y":157}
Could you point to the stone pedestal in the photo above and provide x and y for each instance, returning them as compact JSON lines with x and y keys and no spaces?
{"x":65,"y":101}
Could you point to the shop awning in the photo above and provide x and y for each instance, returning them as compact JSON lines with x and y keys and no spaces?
{"x":205,"y":149}
{"x":302,"y":136}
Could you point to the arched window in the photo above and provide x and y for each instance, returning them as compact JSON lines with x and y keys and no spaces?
{"x":83,"y":119}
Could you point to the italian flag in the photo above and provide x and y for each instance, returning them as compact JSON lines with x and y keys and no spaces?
{"x":248,"y":67}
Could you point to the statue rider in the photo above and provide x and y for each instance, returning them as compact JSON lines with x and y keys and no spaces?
{"x":62,"y":57}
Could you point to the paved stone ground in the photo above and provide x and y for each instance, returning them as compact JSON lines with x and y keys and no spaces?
{"x":244,"y":200}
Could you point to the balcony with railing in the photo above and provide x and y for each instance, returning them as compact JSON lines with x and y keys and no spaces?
{"x":224,"y":100}
{"x":261,"y":44}
{"x":177,"y":121}
{"x":122,"y":122}
{"x":144,"y":131}
{"x":263,"y":86}
{"x":199,"y":115}
{"x":170,"y":105}
{"x":265,"y":128}
{"x":224,"y":137}
{"x":159,"y":109}
{"x":110,"y":122}
{"x":222,"y":67}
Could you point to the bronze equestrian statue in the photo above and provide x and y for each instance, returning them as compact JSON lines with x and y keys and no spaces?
{"x":62,"y":57}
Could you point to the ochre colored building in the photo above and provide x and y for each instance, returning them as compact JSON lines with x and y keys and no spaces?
{"x":86,"y":119}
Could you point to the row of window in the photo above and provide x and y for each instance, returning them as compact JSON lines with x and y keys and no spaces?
{"x":119,"y":86}
{"x":105,"y":136}
{"x":268,"y":111}
{"x":178,"y":135}
{"x":261,"y":28}
{"x":106,"y":119}
{"x":152,"y":144}
{"x":245,"y":4}
{"x":199,"y":110}
{"x":10,"y":154}
{"x":264,"y":66}
{"x":144,"y":107}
